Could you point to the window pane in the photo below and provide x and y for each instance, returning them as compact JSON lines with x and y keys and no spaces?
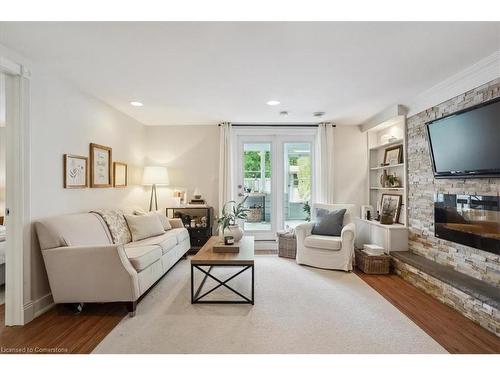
{"x":298,"y":182}
{"x":257,"y":185}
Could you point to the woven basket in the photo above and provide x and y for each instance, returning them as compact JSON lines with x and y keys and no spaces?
{"x":373,"y":264}
{"x":255,"y":215}
{"x":287,"y":245}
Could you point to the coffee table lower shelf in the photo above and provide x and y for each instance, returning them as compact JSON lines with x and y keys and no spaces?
{"x":197,"y":298}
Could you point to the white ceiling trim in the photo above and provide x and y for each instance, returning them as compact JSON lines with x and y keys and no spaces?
{"x":483,"y":71}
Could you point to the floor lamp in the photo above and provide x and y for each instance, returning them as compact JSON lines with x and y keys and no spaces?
{"x":153,"y":176}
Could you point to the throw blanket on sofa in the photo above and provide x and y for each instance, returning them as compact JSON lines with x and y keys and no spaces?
{"x":117,"y":225}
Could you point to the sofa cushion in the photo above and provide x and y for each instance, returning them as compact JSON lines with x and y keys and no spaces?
{"x":323,"y":242}
{"x":181,"y":233}
{"x":166,"y":241}
{"x":142,"y":257}
{"x":144,"y":226}
{"x":116,"y":224}
{"x":161,"y":215}
{"x":329,"y":223}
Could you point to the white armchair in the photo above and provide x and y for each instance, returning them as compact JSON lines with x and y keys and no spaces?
{"x":329,"y":252}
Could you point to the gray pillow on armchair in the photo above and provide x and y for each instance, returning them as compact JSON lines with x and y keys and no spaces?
{"x":329,"y":223}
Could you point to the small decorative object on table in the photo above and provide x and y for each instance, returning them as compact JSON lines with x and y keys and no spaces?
{"x":366,"y":212}
{"x":227,"y":221}
{"x":287,"y":244}
{"x":372,"y":264}
{"x":221,"y":247}
{"x":228,"y":240}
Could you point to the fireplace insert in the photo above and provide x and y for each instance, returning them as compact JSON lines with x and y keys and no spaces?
{"x":472,"y":220}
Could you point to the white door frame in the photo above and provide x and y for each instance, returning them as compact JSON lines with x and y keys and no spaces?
{"x":18,"y":241}
{"x":278,"y":136}
{"x":245,"y":138}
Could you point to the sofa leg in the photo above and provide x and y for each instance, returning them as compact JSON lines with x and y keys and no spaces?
{"x":76,"y":308}
{"x":131,"y":306}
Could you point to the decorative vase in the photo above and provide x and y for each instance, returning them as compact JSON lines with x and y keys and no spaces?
{"x":383,"y":179}
{"x":235,"y":231}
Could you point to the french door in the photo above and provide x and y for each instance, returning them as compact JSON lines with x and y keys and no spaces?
{"x":274,"y":177}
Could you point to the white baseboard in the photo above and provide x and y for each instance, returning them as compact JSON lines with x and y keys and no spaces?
{"x":36,"y":308}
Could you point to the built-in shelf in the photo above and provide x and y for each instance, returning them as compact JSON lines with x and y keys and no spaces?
{"x":388,"y":166}
{"x":384,"y":188}
{"x":378,"y":224}
{"x":389,"y":144}
{"x":392,"y":237}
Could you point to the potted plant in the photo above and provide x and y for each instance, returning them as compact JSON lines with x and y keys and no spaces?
{"x":393,"y":180}
{"x":231,"y":213}
{"x":307,"y":210}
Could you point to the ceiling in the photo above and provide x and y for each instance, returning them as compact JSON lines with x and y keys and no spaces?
{"x":206,"y":72}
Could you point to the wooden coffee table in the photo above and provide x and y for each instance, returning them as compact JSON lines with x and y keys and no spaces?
{"x":207,"y":258}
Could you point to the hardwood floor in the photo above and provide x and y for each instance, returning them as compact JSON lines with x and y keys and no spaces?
{"x":450,"y":329}
{"x":62,"y":331}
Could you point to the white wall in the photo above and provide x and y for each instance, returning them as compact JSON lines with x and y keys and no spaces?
{"x":191,"y":154}
{"x":350,"y":165}
{"x":66,"y":120}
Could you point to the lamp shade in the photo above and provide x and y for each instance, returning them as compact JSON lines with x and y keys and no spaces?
{"x":155,"y":176}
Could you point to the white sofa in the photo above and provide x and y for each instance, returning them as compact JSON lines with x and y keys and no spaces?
{"x":329,"y":252}
{"x":83,"y":265}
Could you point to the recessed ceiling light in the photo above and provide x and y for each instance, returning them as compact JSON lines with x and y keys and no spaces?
{"x":318,"y":114}
{"x":273,"y":102}
{"x":284,"y":113}
{"x":136,"y":104}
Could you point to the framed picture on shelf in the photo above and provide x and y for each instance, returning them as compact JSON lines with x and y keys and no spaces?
{"x":100,"y":166}
{"x":75,"y":171}
{"x":393,"y":155}
{"x":181,"y":193}
{"x":391,"y":203}
{"x":120,"y":174}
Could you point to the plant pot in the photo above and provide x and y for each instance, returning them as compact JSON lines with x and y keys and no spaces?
{"x":235,"y":231}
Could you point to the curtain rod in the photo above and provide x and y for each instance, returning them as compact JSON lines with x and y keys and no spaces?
{"x":279,"y":125}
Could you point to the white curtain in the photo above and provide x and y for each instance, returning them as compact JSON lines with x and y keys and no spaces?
{"x":226,"y":186}
{"x":324,"y":164}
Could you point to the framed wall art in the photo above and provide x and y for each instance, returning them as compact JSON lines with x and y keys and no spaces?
{"x":75,"y":169}
{"x":391,"y":204}
{"x":120,"y":171}
{"x":100,"y":166}
{"x":393,"y":155}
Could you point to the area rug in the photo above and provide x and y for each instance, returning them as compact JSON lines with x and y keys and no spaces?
{"x":297,"y":309}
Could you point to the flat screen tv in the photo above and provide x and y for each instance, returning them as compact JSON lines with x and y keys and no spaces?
{"x":466,"y":144}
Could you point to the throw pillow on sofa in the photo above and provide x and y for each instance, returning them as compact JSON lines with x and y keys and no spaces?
{"x":162,"y":216}
{"x":144,"y":226}
{"x":329,"y":223}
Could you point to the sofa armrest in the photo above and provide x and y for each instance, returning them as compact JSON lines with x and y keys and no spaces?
{"x":176,"y":223}
{"x":91,"y":274}
{"x":303,"y":230}
{"x":348,"y":232}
